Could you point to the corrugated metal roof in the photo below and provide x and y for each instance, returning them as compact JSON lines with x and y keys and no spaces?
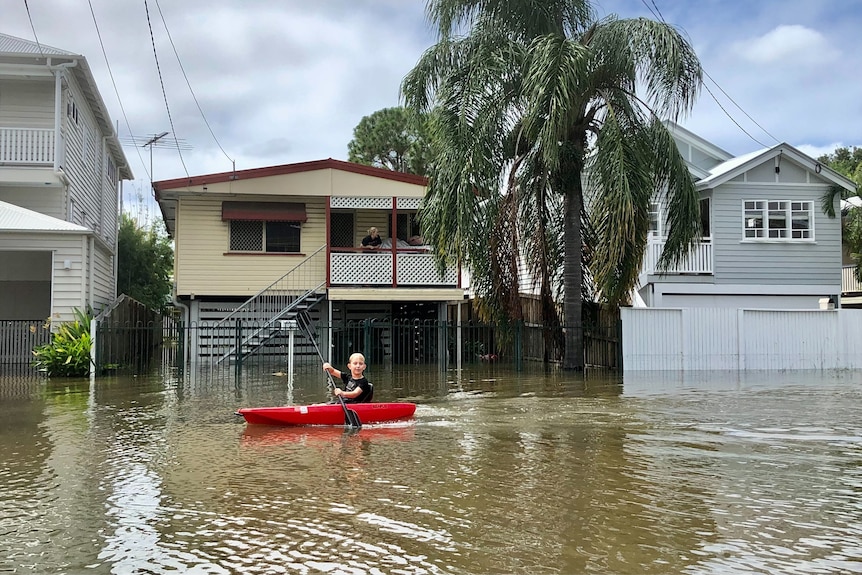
{"x":13,"y":45}
{"x":16,"y":218}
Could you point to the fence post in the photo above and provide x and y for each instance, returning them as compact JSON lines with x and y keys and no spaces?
{"x":519,"y":349}
{"x":238,"y":347}
{"x":93,"y":341}
{"x":181,"y":347}
{"x":620,"y":344}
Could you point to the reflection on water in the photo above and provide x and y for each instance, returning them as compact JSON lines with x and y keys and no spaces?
{"x":499,"y":472}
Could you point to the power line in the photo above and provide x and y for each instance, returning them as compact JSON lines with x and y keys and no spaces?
{"x":162,"y":82}
{"x":113,"y":82}
{"x":158,"y":6}
{"x":740,"y":109}
{"x":657,"y":14}
{"x":33,"y":28}
{"x":744,"y":131}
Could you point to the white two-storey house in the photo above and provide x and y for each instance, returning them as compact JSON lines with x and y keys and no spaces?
{"x":61,"y":167}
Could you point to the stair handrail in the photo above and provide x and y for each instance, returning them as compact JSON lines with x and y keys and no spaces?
{"x":246,"y":304}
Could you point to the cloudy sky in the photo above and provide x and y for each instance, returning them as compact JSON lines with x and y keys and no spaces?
{"x":268,"y":82}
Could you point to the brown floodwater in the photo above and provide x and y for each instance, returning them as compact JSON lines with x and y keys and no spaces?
{"x":499,"y":472}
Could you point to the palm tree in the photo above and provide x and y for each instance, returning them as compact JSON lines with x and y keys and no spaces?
{"x":538,"y":117}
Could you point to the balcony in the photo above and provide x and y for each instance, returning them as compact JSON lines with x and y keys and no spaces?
{"x":849,"y":283}
{"x":26,"y":146}
{"x":698,"y":261}
{"x":387,"y":268}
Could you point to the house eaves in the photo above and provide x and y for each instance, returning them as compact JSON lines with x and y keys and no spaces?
{"x":327,"y":164}
{"x":696,"y":141}
{"x":732,"y":168}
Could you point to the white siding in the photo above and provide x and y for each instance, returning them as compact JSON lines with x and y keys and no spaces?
{"x":27,"y":104}
{"x":49,"y":201}
{"x":669,"y":339}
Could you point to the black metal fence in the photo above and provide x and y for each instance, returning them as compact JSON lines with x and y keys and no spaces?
{"x":134,"y":346}
{"x":140,"y":346}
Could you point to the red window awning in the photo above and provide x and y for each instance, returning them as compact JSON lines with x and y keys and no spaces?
{"x":263,"y":211}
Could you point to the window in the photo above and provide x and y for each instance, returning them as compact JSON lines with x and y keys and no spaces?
{"x":341,"y":229}
{"x":408,"y":225}
{"x":655,"y":220}
{"x":270,"y":227}
{"x":269,"y":237}
{"x":778,"y":220}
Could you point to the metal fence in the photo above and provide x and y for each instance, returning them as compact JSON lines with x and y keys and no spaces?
{"x":387,"y":343}
{"x":138,"y":346}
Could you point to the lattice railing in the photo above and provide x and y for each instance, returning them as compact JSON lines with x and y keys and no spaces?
{"x":412,"y":269}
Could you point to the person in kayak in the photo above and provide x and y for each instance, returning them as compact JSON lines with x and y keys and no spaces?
{"x":357,"y":389}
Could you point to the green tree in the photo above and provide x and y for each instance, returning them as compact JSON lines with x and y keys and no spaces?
{"x":145,"y":262}
{"x":391,"y":138}
{"x":537,"y":121}
{"x":848,"y":162}
{"x":845,"y":161}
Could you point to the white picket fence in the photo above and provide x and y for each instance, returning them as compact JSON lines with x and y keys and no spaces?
{"x":706,"y":339}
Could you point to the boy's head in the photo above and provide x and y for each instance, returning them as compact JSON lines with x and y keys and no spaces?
{"x":356,"y":364}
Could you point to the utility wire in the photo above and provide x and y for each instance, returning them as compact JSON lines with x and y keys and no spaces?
{"x":162,"y":82}
{"x":158,"y":6}
{"x":114,"y":83}
{"x":657,"y":14}
{"x":726,"y":113}
{"x":33,"y":28}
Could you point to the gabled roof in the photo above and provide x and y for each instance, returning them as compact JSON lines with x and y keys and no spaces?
{"x":17,"y":219}
{"x":19,"y":50}
{"x":12,"y":45}
{"x":329,"y":163}
{"x":732,"y":168}
{"x":697,"y":141}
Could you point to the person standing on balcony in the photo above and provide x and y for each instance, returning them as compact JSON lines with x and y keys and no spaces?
{"x":372,"y":240}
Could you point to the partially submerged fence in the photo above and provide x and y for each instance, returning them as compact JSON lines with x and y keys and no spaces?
{"x":703,"y":339}
{"x":18,"y":338}
{"x":387,"y":342}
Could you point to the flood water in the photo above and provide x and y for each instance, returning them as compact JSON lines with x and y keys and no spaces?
{"x":499,"y":472}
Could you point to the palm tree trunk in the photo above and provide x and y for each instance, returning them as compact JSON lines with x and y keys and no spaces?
{"x":573,"y":278}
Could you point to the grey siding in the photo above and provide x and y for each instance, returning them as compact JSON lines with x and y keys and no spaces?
{"x":777,"y":262}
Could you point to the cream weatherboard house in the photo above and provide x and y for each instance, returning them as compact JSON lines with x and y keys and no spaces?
{"x":61,"y":166}
{"x":256,"y":247}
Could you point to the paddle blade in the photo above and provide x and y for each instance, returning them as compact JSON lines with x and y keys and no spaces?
{"x":351,"y":418}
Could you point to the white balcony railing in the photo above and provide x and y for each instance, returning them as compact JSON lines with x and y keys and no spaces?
{"x":25,"y":146}
{"x":380,"y":268}
{"x":698,"y":261}
{"x":849,"y":283}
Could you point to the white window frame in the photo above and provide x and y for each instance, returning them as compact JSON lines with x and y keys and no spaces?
{"x":762,"y":208}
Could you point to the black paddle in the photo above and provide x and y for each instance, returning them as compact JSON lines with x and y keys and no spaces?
{"x":351,"y":418}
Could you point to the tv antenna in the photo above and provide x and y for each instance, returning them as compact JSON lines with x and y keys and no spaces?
{"x":160,"y":140}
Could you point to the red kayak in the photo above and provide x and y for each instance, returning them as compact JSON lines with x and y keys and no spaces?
{"x":326,"y":413}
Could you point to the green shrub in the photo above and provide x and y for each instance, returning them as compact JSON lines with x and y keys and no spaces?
{"x":68,"y":353}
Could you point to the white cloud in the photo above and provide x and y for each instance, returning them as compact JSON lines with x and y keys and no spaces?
{"x":788,"y":44}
